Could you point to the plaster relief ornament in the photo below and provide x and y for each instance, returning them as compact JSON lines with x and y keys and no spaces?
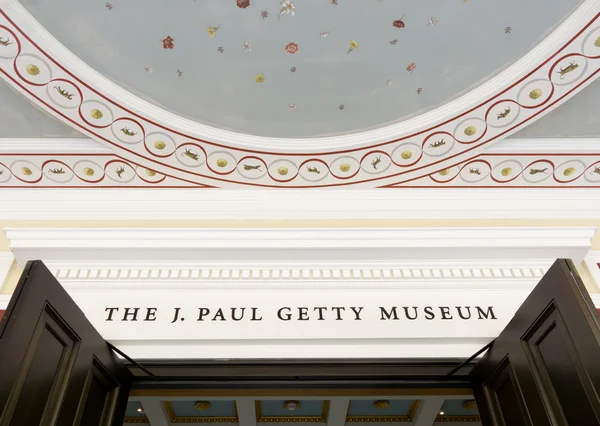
{"x":345,"y":167}
{"x":64,"y":93}
{"x":247,"y":47}
{"x":221,"y":162}
{"x":470,"y":131}
{"x":168,"y":43}
{"x":569,"y":68}
{"x":212,"y":30}
{"x":291,"y":405}
{"x":353,"y":46}
{"x":204,"y":405}
{"x":96,"y":114}
{"x":324,"y":34}
{"x":32,"y":69}
{"x":419,"y":90}
{"x":535,"y":93}
{"x":291,"y":106}
{"x":88,"y":171}
{"x":242,"y":4}
{"x":220,"y":49}
{"x":160,"y":145}
{"x":6,"y":41}
{"x":259,"y":78}
{"x":26,"y":171}
{"x":507,"y":30}
{"x":283,"y":171}
{"x":399,"y":23}
{"x":179,"y":73}
{"x":109,"y":6}
{"x":406,"y":155}
{"x":341,"y":107}
{"x":293,"y":69}
{"x":569,"y":171}
{"x":288,"y":7}
{"x":388,"y":81}
{"x":291,"y":48}
{"x":432,"y":21}
{"x":394,"y":42}
{"x":264,"y":14}
{"x":381,"y":404}
{"x":411,"y":67}
{"x":506,"y":171}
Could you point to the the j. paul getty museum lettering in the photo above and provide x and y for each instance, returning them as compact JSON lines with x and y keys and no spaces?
{"x":301,"y":313}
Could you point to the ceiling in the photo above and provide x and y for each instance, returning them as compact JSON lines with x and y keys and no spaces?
{"x":467,"y":44}
{"x":269,"y":93}
{"x":333,"y":411}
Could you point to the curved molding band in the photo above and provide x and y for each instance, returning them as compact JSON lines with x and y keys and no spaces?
{"x":146,"y":135}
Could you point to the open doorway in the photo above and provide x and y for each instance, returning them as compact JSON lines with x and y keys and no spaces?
{"x":542,"y":369}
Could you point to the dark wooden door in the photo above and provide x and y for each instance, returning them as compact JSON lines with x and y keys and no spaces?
{"x":544,"y":368}
{"x":55,"y":369}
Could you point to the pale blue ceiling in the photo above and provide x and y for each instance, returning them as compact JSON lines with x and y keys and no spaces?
{"x":467,"y":45}
{"x":19,"y":118}
{"x":579,"y":117}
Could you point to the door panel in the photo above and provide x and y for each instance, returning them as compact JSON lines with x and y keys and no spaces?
{"x":543,"y":369}
{"x":56,"y":368}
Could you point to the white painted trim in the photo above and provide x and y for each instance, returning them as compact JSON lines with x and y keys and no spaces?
{"x":4,"y":299}
{"x":52,"y":146}
{"x":6,"y":260}
{"x":592,"y":260}
{"x":280,"y":204}
{"x":545,"y":146}
{"x":302,"y":248}
{"x":546,"y":48}
{"x":505,"y":146}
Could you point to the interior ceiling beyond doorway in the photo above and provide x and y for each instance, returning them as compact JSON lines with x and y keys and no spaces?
{"x":262,"y":94}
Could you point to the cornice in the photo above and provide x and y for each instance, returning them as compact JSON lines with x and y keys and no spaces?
{"x":299,"y":246}
{"x":342,"y":160}
{"x":171,"y":205}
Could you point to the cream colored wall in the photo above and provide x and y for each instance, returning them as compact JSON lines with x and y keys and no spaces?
{"x":15,"y":272}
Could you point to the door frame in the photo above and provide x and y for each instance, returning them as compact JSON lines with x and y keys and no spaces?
{"x":308,"y":374}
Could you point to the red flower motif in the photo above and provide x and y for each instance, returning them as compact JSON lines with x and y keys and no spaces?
{"x":399,"y":23}
{"x":169,"y":42}
{"x":411,"y":67}
{"x":291,"y":48}
{"x":243,"y":3}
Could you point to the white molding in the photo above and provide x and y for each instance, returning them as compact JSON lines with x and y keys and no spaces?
{"x":545,"y":146}
{"x":505,"y":146}
{"x":4,"y":299}
{"x":237,"y":205}
{"x":592,"y":261}
{"x":52,"y":146}
{"x":6,"y":260}
{"x":300,"y":248}
{"x":546,"y":48}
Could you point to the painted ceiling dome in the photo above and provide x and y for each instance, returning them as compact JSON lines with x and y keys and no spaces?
{"x":298,"y":94}
{"x":299,"y":69}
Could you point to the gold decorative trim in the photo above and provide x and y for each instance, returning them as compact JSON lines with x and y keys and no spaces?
{"x":199,"y":419}
{"x":292,"y":419}
{"x":448,"y":419}
{"x":386,"y":419}
{"x":136,"y":420}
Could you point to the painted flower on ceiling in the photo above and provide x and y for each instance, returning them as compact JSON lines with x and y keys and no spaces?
{"x":353,"y":45}
{"x":399,"y":23}
{"x":288,"y":7}
{"x":259,"y":78}
{"x":243,"y":3}
{"x":169,"y":42}
{"x":247,"y":46}
{"x":212,"y":30}
{"x":264,"y":14}
{"x":291,"y":48}
{"x":597,"y":42}
{"x":411,"y":67}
